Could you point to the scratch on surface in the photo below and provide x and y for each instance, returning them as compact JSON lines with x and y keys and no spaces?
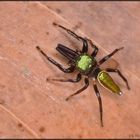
{"x":20,"y":68}
{"x":16,"y":118}
{"x":41,"y":88}
{"x":3,"y":58}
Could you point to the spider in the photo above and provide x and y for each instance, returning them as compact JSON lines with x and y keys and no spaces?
{"x":86,"y":65}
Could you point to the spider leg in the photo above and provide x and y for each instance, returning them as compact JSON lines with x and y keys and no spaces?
{"x":120,"y":74}
{"x":94,"y":53}
{"x":65,"y":70}
{"x":80,"y":90}
{"x":85,"y":44}
{"x":78,"y":78}
{"x":109,"y":55}
{"x":100,"y":103}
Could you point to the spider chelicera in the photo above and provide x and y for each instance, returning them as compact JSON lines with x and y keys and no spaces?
{"x":86,"y":65}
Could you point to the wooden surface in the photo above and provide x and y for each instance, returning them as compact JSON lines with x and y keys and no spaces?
{"x":30,"y":107}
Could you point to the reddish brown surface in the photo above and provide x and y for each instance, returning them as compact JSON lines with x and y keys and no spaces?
{"x":32,"y":108}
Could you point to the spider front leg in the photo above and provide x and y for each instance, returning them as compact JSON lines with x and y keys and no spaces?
{"x":85,"y":44}
{"x":100,"y":103}
{"x":65,"y":70}
{"x":109,"y":55}
{"x":94,"y":53}
{"x":78,"y":78}
{"x":80,"y":90}
{"x":120,"y":74}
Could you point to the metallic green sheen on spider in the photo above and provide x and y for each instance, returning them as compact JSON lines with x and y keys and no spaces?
{"x":85,"y":63}
{"x":87,"y":66}
{"x":105,"y":80}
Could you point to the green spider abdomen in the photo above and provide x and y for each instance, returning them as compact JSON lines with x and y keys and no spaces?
{"x":105,"y":80}
{"x":84,"y":63}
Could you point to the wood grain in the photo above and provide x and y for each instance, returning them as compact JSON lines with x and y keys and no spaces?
{"x":35,"y":108}
{"x":112,"y":25}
